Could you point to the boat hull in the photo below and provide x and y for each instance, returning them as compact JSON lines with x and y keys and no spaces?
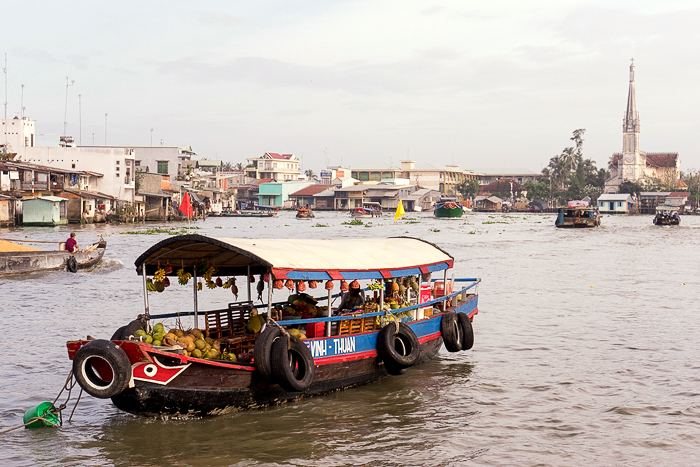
{"x":445,"y":212}
{"x":175,"y":384}
{"x":24,"y":262}
{"x":666,"y":221}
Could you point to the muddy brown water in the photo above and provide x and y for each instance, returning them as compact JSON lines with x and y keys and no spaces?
{"x":587,"y":352}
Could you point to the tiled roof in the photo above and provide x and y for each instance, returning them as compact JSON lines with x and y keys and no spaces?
{"x":275,"y":155}
{"x":311,"y":190}
{"x":679,"y":194}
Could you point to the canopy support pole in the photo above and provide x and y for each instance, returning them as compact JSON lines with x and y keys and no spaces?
{"x":269,"y":294}
{"x":194,"y":276}
{"x":329,"y":313}
{"x":250,"y":296}
{"x":145,"y":291}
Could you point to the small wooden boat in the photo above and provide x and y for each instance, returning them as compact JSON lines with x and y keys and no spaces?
{"x":20,"y":259}
{"x":578,"y":214}
{"x":305,"y":213}
{"x":369,"y":209}
{"x":667,"y":215}
{"x":249,"y":214}
{"x":289,"y":358}
{"x":448,"y":207}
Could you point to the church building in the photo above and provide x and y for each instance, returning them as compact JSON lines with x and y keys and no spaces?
{"x":634,"y":164}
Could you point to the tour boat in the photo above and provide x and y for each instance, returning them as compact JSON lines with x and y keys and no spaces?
{"x":578,"y":214}
{"x":448,"y":207}
{"x":291,"y":356}
{"x":20,"y":259}
{"x":667,"y":215}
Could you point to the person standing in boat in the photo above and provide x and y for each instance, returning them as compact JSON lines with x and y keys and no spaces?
{"x":72,"y":243}
{"x":354,"y":298}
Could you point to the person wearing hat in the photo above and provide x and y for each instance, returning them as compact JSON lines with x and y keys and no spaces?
{"x":353,"y":298}
{"x":72,"y":243}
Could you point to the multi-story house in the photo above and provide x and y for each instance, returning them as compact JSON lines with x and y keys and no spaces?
{"x":278,"y":167}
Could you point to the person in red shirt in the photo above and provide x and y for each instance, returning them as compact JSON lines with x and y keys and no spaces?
{"x":72,"y":243}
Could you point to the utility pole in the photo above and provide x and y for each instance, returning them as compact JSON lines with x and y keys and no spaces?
{"x":151,"y":137}
{"x":5,"y":122}
{"x":65,"y":113}
{"x":105,"y":129}
{"x":22,"y":102}
{"x":80,"y":118}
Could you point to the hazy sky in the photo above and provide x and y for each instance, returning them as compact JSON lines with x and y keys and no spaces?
{"x":482,"y":84}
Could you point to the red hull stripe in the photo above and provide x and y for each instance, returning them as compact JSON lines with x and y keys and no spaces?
{"x":429,"y":337}
{"x":345,"y":358}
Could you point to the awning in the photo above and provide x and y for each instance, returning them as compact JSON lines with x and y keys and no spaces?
{"x":298,"y":258}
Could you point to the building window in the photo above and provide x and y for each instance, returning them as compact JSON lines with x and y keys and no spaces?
{"x":162,"y":167}
{"x":137,"y":163}
{"x":117,"y":162}
{"x":72,"y":166}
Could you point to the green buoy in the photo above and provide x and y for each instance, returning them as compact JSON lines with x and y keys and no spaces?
{"x":42,"y":410}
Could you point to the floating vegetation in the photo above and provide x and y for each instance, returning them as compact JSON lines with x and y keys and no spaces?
{"x":354,"y":222}
{"x":319,"y":225}
{"x":472,"y":232}
{"x":158,"y":230}
{"x":495,"y":222}
{"x":434,"y":230}
{"x":368,"y":224}
{"x":218,"y":227}
{"x":412,"y":221}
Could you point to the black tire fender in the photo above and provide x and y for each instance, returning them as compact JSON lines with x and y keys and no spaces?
{"x":92,"y":364}
{"x":262,"y":352}
{"x":467,"y":331}
{"x":292,"y":365}
{"x":398,"y":350}
{"x":451,"y":331}
{"x":72,"y":264}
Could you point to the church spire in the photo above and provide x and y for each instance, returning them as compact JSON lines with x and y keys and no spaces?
{"x":631,"y":116}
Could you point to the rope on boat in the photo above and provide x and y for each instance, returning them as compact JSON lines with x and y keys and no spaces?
{"x":67,"y":386}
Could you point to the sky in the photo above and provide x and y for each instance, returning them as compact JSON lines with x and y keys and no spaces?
{"x":497,"y":85}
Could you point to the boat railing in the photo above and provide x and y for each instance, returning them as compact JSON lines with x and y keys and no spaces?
{"x":325,"y":319}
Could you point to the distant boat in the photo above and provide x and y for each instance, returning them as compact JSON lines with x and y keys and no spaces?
{"x":448,"y":207}
{"x":249,"y":214}
{"x":667,"y":215}
{"x":368,"y":209}
{"x":20,"y":259}
{"x":578,"y":214}
{"x":305,"y":213}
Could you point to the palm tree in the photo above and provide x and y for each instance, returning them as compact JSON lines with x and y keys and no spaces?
{"x":238,"y":166}
{"x":310,"y":174}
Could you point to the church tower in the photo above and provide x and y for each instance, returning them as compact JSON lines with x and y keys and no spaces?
{"x":633,"y":160}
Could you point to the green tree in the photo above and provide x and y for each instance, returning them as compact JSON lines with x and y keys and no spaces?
{"x":633,"y":188}
{"x":227,"y":167}
{"x":691,"y":178}
{"x":310,"y":174}
{"x":469,"y":188}
{"x":536,"y":190}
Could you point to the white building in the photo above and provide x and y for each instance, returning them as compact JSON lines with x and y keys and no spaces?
{"x":278,"y":167}
{"x":164,"y":160}
{"x":117,"y":165}
{"x":17,"y":133}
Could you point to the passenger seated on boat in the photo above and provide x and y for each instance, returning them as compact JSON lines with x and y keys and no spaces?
{"x":72,"y":243}
{"x":355,"y":297}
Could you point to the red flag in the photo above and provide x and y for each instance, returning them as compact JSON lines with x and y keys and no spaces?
{"x":186,"y":206}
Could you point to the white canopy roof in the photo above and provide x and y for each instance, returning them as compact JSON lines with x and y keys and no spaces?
{"x":299,"y":258}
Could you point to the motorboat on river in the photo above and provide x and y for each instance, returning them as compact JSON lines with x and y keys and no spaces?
{"x":578,"y":214}
{"x":20,"y":259}
{"x":305,"y":213}
{"x":368,"y":210}
{"x":448,"y":208}
{"x":667,"y":215}
{"x":280,"y":351}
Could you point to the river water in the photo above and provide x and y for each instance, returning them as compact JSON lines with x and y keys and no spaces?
{"x":586,"y":352}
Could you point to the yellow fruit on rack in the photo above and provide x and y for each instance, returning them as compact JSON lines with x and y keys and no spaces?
{"x":196,"y":333}
{"x":200,"y":344}
{"x":255,"y":324}
{"x":197,"y":353}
